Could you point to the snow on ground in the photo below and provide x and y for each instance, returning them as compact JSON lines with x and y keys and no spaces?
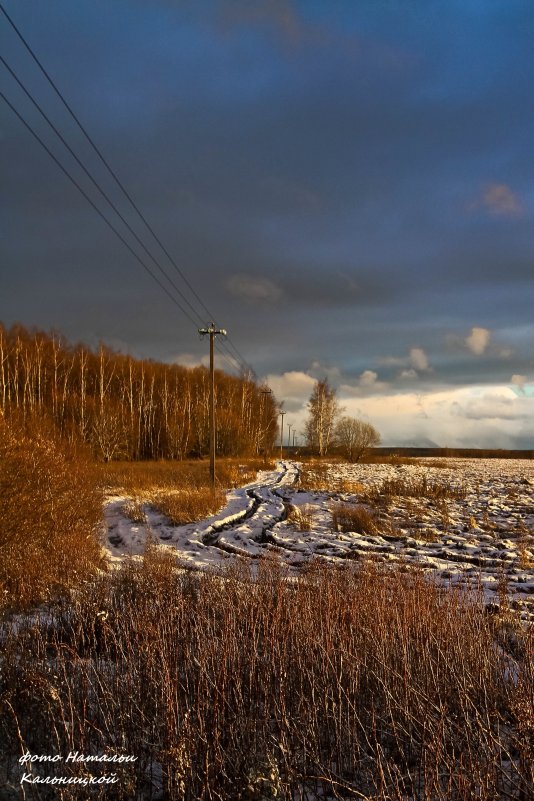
{"x":486,"y":537}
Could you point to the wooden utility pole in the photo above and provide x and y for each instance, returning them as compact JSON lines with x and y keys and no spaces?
{"x":264,"y":392}
{"x":282,"y":435}
{"x":212,"y":331}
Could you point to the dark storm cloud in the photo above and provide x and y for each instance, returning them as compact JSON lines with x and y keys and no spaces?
{"x":353,"y":179}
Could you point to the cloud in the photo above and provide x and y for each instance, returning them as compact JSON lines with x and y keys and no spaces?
{"x":478,"y":340}
{"x":465,"y":417}
{"x":249,"y":287}
{"x":417,"y":359}
{"x":190,"y":360}
{"x":366,"y":383}
{"x":319,"y":370}
{"x":408,"y":374}
{"x":499,"y":201}
{"x":368,"y":378}
{"x":492,"y":406}
{"x":292,"y":388}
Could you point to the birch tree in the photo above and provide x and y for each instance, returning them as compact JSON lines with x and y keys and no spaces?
{"x":323,"y":409}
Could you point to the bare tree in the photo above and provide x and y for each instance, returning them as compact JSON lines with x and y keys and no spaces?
{"x":354,"y":437}
{"x":323,"y":409}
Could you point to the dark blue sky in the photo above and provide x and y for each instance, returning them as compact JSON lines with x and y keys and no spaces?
{"x":349,"y":186}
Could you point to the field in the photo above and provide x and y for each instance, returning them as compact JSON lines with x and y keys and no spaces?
{"x":332,"y":631}
{"x":465,"y":521}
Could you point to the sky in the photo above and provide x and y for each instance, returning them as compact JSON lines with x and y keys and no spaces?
{"x":348,"y":188}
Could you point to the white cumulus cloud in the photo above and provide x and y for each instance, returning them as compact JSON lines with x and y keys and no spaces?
{"x":418,"y":359}
{"x":293,"y":388}
{"x":478,"y":340}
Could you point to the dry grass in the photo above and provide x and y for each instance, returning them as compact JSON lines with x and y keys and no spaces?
{"x":318,"y":476}
{"x":187,"y":506}
{"x":347,"y":517}
{"x":133,"y":509}
{"x":179,"y":490}
{"x":422,"y":488}
{"x":50,"y":512}
{"x":342,"y":683}
{"x":302,"y":517}
{"x":148,"y":476}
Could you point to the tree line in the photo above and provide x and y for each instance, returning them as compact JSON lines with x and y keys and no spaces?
{"x":128,"y":408}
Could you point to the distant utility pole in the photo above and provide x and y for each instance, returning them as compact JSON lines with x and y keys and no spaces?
{"x":263,"y":393}
{"x":282,"y":435}
{"x":212,"y":331}
{"x":290,"y":426}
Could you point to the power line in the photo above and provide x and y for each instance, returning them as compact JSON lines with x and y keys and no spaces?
{"x":117,"y":180}
{"x":97,"y":185}
{"x":95,"y":207}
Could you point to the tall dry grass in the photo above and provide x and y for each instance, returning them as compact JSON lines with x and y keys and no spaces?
{"x":50,"y":515}
{"x":342,"y":683}
{"x":421,"y":487}
{"x":180,"y":490}
{"x":146,"y":476}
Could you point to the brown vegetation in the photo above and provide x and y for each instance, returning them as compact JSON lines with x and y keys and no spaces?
{"x":145,"y":477}
{"x":342,"y":683}
{"x":302,"y":517}
{"x":50,"y":512}
{"x":179,"y":490}
{"x":317,"y":476}
{"x":129,"y":408}
{"x":417,"y":487}
{"x":187,"y":505}
{"x":349,"y":517}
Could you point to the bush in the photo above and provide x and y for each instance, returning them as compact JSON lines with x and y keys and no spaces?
{"x":50,"y":512}
{"x":349,"y":517}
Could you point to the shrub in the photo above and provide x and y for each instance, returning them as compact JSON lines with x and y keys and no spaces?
{"x":51,"y":513}
{"x":349,"y":517}
{"x":301,"y":517}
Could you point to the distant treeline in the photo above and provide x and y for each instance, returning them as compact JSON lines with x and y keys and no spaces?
{"x":128,"y":408}
{"x":460,"y":453}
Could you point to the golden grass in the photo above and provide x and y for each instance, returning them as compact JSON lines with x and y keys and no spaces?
{"x":189,"y":505}
{"x":50,"y":512}
{"x":351,"y":682}
{"x":417,"y":487}
{"x":302,"y":517}
{"x":317,"y":476}
{"x":180,"y":490}
{"x":347,"y":517}
{"x":147,"y":476}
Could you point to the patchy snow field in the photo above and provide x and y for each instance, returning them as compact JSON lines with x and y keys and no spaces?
{"x":485,"y":537}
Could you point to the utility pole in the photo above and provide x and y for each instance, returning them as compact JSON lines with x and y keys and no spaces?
{"x":263,"y":393}
{"x":212,"y":331}
{"x":282,"y":435}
